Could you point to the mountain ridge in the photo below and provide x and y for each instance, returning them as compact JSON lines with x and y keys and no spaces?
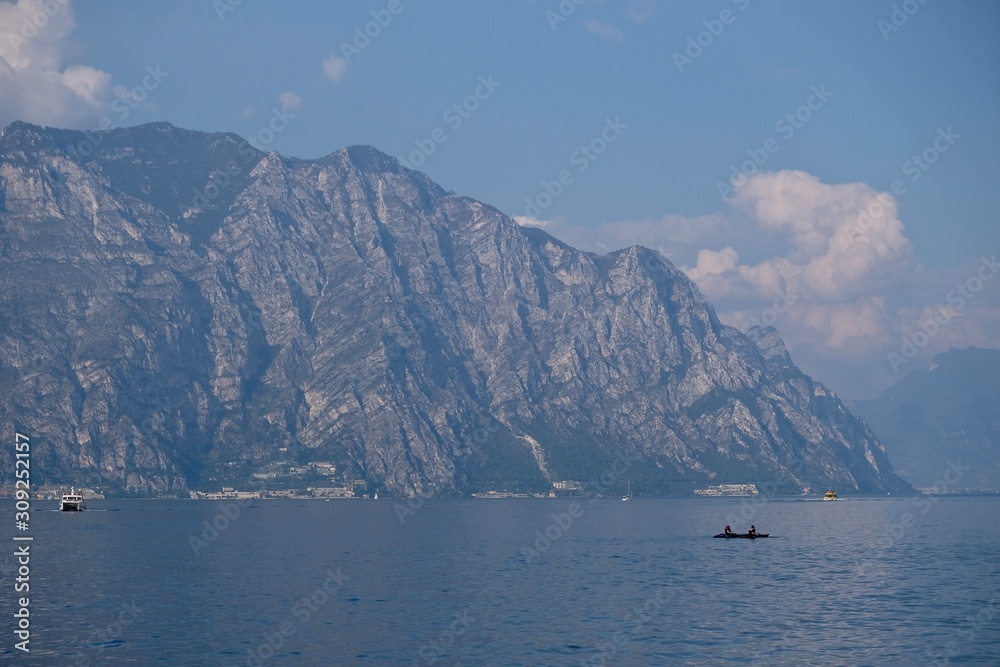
{"x":350,"y":309}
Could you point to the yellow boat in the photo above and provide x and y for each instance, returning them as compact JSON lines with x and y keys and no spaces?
{"x":830,"y":495}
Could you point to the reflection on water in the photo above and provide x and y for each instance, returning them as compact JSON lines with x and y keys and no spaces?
{"x":866,"y":581}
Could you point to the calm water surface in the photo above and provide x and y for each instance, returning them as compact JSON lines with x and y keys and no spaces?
{"x":460,"y":582}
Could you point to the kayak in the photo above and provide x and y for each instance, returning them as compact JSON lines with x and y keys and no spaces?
{"x":743,"y":535}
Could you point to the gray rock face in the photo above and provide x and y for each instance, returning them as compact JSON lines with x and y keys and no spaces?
{"x":181,"y":309}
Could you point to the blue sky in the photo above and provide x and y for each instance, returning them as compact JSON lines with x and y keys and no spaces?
{"x":682,"y":92}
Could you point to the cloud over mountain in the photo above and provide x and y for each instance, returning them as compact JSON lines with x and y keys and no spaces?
{"x":829,"y":265}
{"x":35,"y":83}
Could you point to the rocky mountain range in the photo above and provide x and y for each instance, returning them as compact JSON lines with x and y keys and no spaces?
{"x":944,"y":418}
{"x":181,"y":310}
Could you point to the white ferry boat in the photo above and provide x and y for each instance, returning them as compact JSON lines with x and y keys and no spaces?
{"x":71,"y":502}
{"x":729,"y":490}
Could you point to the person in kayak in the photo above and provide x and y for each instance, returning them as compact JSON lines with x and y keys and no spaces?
{"x":728,"y":531}
{"x":753,"y":531}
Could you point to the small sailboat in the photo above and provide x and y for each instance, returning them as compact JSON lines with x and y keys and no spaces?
{"x":628,"y":493}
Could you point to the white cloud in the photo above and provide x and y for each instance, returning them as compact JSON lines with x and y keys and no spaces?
{"x":712,"y":262}
{"x":290,"y":100}
{"x":34,"y":84}
{"x":638,"y":11}
{"x":335,"y":68}
{"x":841,"y":239}
{"x":829,"y":265}
{"x":526,"y":221}
{"x":827,"y":243}
{"x":604,"y":30}
{"x":840,"y":249}
{"x":89,"y":84}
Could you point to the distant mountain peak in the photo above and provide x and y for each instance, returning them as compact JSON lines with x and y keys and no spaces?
{"x":20,"y":133}
{"x":17,"y":126}
{"x":945,"y":413}
{"x":369,"y":158}
{"x":770,"y":343}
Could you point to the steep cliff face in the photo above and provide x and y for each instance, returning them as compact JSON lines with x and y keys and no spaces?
{"x":181,"y":308}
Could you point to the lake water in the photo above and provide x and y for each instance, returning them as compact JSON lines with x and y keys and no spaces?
{"x":870,"y":581}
